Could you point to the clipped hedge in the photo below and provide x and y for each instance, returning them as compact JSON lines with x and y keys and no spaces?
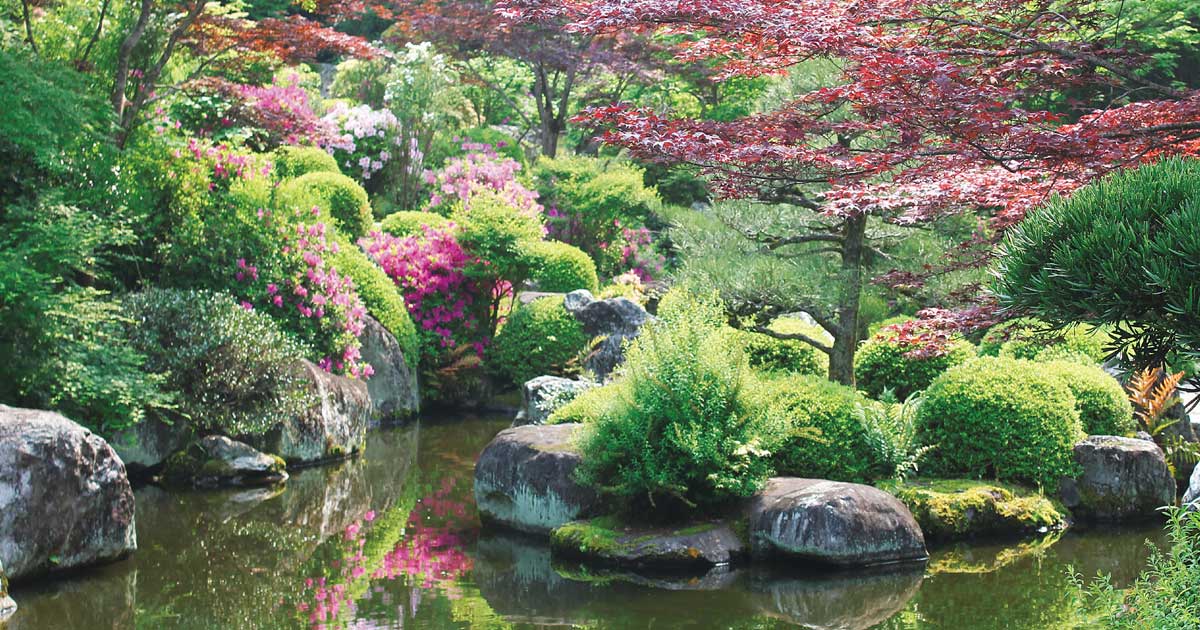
{"x":336,"y":196}
{"x":881,"y":363}
{"x":1103,"y":406}
{"x":292,"y":162}
{"x":539,"y":338}
{"x":381,"y":297}
{"x":559,"y":267}
{"x":1030,"y":338}
{"x":405,"y":223}
{"x":999,"y":418}
{"x":781,"y":355}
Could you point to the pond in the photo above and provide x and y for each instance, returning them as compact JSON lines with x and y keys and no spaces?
{"x":392,"y":540}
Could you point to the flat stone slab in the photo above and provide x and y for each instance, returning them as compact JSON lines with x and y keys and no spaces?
{"x":832,"y":523}
{"x":606,"y":541}
{"x":524,"y":479}
{"x":1122,"y":479}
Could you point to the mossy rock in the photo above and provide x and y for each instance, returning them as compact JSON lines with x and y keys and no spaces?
{"x":217,"y":461}
{"x":952,"y":509}
{"x":609,"y":541}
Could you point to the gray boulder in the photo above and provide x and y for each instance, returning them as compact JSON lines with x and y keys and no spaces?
{"x":1190,"y":497}
{"x":607,"y":542}
{"x":541,"y":396}
{"x":148,"y":444}
{"x":832,"y":523}
{"x":393,"y":387}
{"x":615,"y":321}
{"x":1122,"y":479}
{"x":65,"y":500}
{"x":7,"y":605}
{"x":524,"y":479}
{"x":334,"y":427}
{"x":217,"y":461}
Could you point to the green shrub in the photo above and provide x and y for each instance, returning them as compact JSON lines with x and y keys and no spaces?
{"x":1122,"y":251}
{"x":495,"y":232}
{"x":1002,"y":419}
{"x":824,"y":438}
{"x":685,"y":302}
{"x":881,"y":363}
{"x":338,"y":197}
{"x":1030,"y":338}
{"x":406,"y":223}
{"x":590,"y":405}
{"x":292,"y":161}
{"x":1103,"y":405}
{"x":381,"y":297}
{"x":874,"y":328}
{"x":560,"y":268}
{"x":787,"y":355}
{"x":685,"y":435}
{"x":539,"y":338}
{"x":233,"y":371}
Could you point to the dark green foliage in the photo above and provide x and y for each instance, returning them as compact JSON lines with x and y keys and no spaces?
{"x":560,"y":268}
{"x":680,"y":185}
{"x":380,"y":295}
{"x":539,"y":338}
{"x":405,"y":223}
{"x":882,"y":364}
{"x":233,"y":371}
{"x":1103,"y":405}
{"x":685,"y":434}
{"x":338,"y":197}
{"x":1031,"y":338}
{"x":786,"y":355}
{"x":1002,"y":419}
{"x":1123,"y":251}
{"x":825,"y":438}
{"x":293,"y":161}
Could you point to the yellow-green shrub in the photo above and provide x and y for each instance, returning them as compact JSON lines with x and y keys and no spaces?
{"x":405,"y":223}
{"x":559,"y":267}
{"x":336,"y":196}
{"x":1103,"y":406}
{"x":293,"y":161}
{"x":883,"y":363}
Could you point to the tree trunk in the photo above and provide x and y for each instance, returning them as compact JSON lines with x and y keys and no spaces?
{"x":845,"y":337}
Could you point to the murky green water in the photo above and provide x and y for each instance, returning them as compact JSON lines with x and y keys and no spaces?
{"x":392,"y":540}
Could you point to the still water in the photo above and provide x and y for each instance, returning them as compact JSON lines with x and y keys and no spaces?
{"x":392,"y":540}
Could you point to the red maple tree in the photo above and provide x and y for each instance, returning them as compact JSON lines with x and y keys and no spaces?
{"x":939,"y":107}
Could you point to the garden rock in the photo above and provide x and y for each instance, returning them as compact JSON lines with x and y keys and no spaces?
{"x":217,"y":461}
{"x":1122,"y":479}
{"x":7,"y":605}
{"x":832,"y":523}
{"x":393,"y":386}
{"x":614,"y":320}
{"x":541,"y":396}
{"x":333,"y":427}
{"x":1191,"y":498}
{"x":605,"y":541}
{"x":524,"y":479}
{"x":958,"y":509}
{"x":148,"y":444}
{"x":65,"y":500}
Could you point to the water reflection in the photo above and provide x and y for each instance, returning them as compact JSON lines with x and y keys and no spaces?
{"x":392,"y":540}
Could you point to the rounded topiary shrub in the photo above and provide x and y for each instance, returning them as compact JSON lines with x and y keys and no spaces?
{"x":1030,"y":338}
{"x":1103,"y":406}
{"x":539,"y":338}
{"x":559,"y":267}
{"x":1002,"y":419}
{"x":292,"y":162}
{"x":825,"y":439}
{"x":883,"y":363}
{"x":232,"y":370}
{"x":781,"y":355}
{"x":406,"y":223}
{"x":335,"y":195}
{"x":380,"y":295}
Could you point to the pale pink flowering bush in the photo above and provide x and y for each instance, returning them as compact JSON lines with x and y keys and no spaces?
{"x":463,"y":177}
{"x":365,"y":140}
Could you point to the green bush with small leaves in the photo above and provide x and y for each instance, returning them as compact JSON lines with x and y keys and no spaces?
{"x":1031,"y":338}
{"x":785,"y":355}
{"x":381,"y":297}
{"x":560,"y":268}
{"x":1002,"y":419}
{"x":336,"y":196}
{"x":882,"y":364}
{"x":406,"y":223}
{"x":590,"y":405}
{"x":495,"y":232}
{"x":293,"y":161}
{"x":233,"y":371}
{"x":1103,"y":405}
{"x":539,"y":338}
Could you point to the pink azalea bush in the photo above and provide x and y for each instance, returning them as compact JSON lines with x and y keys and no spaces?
{"x":639,"y":256}
{"x":365,"y":141}
{"x":482,"y":169}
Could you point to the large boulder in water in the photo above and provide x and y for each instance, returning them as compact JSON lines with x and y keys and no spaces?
{"x":542,"y":395}
{"x":524,"y":479}
{"x":65,"y":500}
{"x":393,"y":387}
{"x":217,"y":461}
{"x":145,"y":446}
{"x":832,"y":523}
{"x":333,"y":427}
{"x":614,"y":320}
{"x":1122,"y":479}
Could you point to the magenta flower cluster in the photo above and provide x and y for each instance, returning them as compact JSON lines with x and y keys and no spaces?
{"x":283,"y":110}
{"x":480,"y":170}
{"x":638,"y":255}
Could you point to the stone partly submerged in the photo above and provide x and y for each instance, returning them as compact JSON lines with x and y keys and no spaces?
{"x":607,"y":541}
{"x":542,"y":395}
{"x":145,"y":446}
{"x":1121,"y":479}
{"x":392,"y":388}
{"x":832,"y":523}
{"x":524,"y":479}
{"x":333,"y":427}
{"x":954,"y":509}
{"x":65,"y":499}
{"x":217,"y":461}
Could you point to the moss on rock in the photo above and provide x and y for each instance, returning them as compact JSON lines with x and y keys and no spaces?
{"x":952,"y":509}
